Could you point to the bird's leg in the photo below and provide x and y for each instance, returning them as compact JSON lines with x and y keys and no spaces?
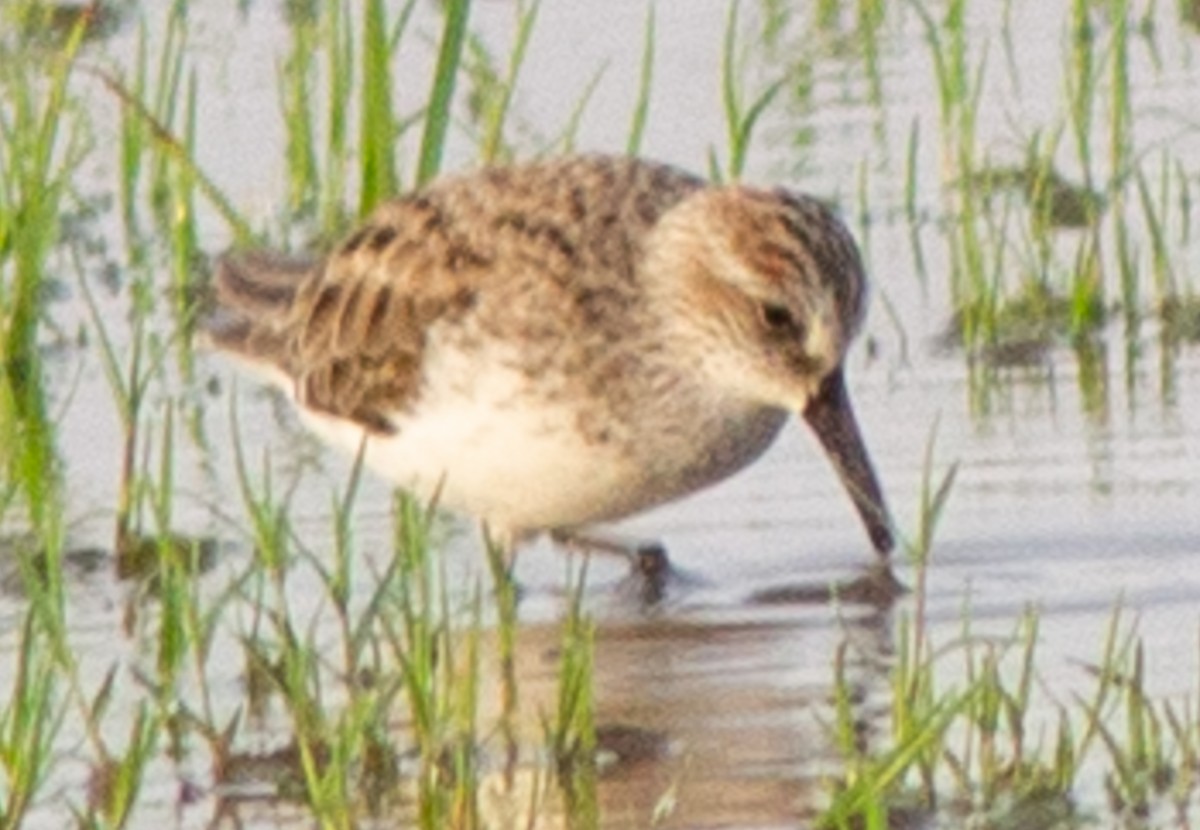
{"x":589,"y":542}
{"x":644,"y":555}
{"x":647,"y":558}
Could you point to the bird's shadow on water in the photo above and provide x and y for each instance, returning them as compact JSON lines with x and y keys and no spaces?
{"x":654,"y":584}
{"x":875,"y":586}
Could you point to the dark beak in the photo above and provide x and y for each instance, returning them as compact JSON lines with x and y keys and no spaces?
{"x":832,"y":418}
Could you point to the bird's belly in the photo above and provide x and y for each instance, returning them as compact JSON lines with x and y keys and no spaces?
{"x":526,"y":466}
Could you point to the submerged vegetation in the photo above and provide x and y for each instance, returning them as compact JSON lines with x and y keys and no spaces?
{"x":293,"y":667}
{"x":1067,"y":257}
{"x":997,"y":746}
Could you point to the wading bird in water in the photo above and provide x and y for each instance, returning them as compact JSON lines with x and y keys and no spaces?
{"x":569,"y":342}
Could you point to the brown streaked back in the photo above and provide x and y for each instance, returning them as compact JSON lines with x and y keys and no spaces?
{"x":350,"y":331}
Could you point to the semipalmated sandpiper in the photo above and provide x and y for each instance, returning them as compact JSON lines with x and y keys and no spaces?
{"x":563,"y":343}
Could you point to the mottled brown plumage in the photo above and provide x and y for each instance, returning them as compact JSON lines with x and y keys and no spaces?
{"x":566,"y":342}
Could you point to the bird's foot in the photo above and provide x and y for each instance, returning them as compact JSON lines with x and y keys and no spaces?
{"x":651,"y":575}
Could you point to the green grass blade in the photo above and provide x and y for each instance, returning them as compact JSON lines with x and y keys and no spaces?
{"x":378,"y":121}
{"x":641,"y":110}
{"x":493,"y":140}
{"x":437,"y":115}
{"x":179,"y":153}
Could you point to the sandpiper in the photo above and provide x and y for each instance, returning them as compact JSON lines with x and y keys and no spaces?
{"x":565,"y":343}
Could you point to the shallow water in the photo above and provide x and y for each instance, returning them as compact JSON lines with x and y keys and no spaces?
{"x":1076,"y":486}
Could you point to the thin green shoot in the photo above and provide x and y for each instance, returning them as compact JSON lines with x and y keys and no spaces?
{"x":129,"y":383}
{"x":911,"y":210}
{"x":338,"y":48}
{"x":295,"y":81}
{"x":505,"y":596}
{"x":270,"y":523}
{"x":572,"y":737}
{"x":38,"y":164}
{"x":641,"y":109}
{"x":31,"y":718}
{"x":377,"y":133}
{"x":178,"y":152}
{"x":116,"y":781}
{"x":132,"y":148}
{"x":566,"y":140}
{"x":740,"y":119}
{"x":445,"y":76}
{"x":492,"y":147}
{"x":1155,"y":219}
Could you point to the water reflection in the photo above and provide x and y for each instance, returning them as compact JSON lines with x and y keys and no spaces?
{"x":718,"y":717}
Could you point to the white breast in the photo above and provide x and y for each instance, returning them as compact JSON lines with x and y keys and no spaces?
{"x":497,"y":445}
{"x":494,"y":453}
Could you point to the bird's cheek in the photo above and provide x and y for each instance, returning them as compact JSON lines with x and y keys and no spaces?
{"x":805,"y":368}
{"x":800,"y":391}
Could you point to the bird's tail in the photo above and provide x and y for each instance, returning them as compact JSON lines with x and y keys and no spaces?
{"x":249,"y":307}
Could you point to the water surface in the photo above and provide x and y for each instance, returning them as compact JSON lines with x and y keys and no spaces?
{"x":1076,"y":486}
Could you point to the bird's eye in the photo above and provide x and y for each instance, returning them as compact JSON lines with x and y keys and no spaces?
{"x":776,"y":317}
